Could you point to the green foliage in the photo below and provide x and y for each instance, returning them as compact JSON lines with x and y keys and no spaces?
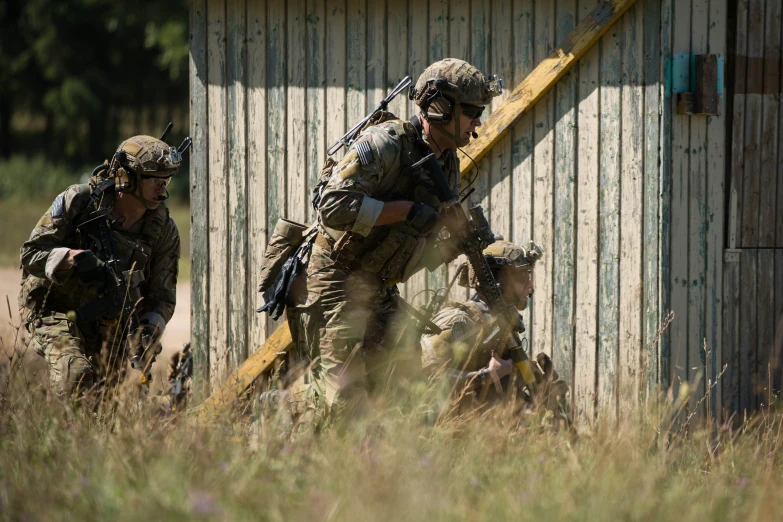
{"x":88,"y":69}
{"x":26,"y":179}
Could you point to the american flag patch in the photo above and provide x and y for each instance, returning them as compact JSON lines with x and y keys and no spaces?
{"x":58,"y":207}
{"x":365,"y":153}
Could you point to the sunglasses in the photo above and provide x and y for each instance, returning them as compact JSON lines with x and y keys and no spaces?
{"x":472,"y":111}
{"x":156,"y":181}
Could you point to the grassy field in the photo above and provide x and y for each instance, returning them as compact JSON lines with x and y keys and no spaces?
{"x":400,"y":462}
{"x":20,"y":216}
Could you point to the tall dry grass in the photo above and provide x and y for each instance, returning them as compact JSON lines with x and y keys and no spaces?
{"x":400,"y":462}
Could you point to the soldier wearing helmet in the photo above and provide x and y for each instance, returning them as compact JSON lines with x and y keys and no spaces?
{"x":67,"y":268}
{"x":377,"y":223}
{"x":466,"y":352}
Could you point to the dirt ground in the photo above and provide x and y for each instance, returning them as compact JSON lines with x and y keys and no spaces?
{"x":177,"y":332}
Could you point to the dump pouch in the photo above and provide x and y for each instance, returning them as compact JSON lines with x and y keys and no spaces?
{"x":286,"y":238}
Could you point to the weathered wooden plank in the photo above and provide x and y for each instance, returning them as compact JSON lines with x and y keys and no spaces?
{"x":459,"y":29}
{"x":356,"y":75}
{"x":751,"y":198}
{"x":563,"y":241}
{"x":665,"y":188}
{"x":766,"y":326}
{"x":256,"y":166}
{"x":227,"y":391}
{"x":335,"y":71}
{"x":296,"y":112}
{"x":716,"y":198}
{"x":748,"y":329}
{"x":199,"y":197}
{"x":586,"y":315}
{"x":522,"y":134}
{"x":543,"y":197}
{"x":680,"y":145}
{"x":753,"y":118}
{"x":631,"y":282}
{"x":418,"y":51}
{"x":237,"y":182}
{"x":316,"y":99}
{"x":376,"y":53}
{"x":397,"y":61}
{"x":220,"y":354}
{"x":778,"y":353}
{"x":438,"y":32}
{"x":550,"y":69}
{"x":397,"y":64}
{"x":731,"y":355}
{"x":697,"y":227}
{"x":277,"y":121}
{"x":768,"y":194}
{"x":652,"y":194}
{"x":459,"y":47}
{"x":438,"y":48}
{"x":608,"y":223}
{"x":500,"y":196}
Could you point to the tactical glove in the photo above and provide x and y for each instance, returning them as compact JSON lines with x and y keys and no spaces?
{"x":90,"y":269}
{"x":422,"y":217}
{"x":144,"y":350}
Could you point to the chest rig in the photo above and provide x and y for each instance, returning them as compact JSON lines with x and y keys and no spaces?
{"x":133,"y":252}
{"x":391,"y":251}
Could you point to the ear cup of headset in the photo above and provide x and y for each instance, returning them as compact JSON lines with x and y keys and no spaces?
{"x":439,"y":111}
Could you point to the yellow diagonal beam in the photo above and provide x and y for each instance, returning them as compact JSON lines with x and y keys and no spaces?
{"x":543,"y":78}
{"x":262,"y":360}
{"x":522,"y":99}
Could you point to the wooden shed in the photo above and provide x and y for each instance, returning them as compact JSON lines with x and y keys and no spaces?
{"x":631,"y":200}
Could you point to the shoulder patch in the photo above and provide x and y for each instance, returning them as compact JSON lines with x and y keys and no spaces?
{"x":58,"y":207}
{"x":458,"y":331}
{"x":365,"y":153}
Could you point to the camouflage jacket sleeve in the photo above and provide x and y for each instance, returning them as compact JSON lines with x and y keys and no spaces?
{"x":438,"y":351}
{"x":347,"y":202}
{"x":54,"y":235}
{"x":160,"y":289}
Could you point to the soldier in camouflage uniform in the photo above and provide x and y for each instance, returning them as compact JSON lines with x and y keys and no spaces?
{"x":64,"y":267}
{"x":377,"y":225}
{"x":470,"y":365}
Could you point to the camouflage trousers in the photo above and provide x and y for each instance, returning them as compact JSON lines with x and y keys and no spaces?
{"x":341,"y":324}
{"x":79,"y":354}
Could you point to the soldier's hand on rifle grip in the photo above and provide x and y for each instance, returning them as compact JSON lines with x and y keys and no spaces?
{"x":90,"y":269}
{"x":422,"y":217}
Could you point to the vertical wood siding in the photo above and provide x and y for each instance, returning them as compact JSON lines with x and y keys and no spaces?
{"x":585,"y":174}
{"x":753,"y":288}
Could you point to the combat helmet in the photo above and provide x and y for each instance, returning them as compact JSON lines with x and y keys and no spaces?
{"x":504,"y":254}
{"x":445,"y":86}
{"x":144,"y":157}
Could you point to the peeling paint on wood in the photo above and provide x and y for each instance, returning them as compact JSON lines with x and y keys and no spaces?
{"x":256,"y":166}
{"x":220,"y":353}
{"x":199,"y":196}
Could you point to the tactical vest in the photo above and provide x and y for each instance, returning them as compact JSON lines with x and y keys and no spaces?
{"x":134,"y":249}
{"x":394,"y":251}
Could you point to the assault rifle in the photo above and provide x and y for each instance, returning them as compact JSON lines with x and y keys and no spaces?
{"x":120,"y":293}
{"x":472,"y":234}
{"x":181,"y":373}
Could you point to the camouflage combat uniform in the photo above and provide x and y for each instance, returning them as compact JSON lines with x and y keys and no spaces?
{"x":49,"y":298}
{"x":346,"y":310}
{"x":458,"y":350}
{"x":460,"y":354}
{"x":343,"y":317}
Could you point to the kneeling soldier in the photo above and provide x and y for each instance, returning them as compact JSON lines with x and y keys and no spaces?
{"x":101,"y":266}
{"x":469,"y":352}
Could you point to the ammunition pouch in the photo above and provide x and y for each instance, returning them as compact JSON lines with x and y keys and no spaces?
{"x":286,"y":238}
{"x":396,"y":256}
